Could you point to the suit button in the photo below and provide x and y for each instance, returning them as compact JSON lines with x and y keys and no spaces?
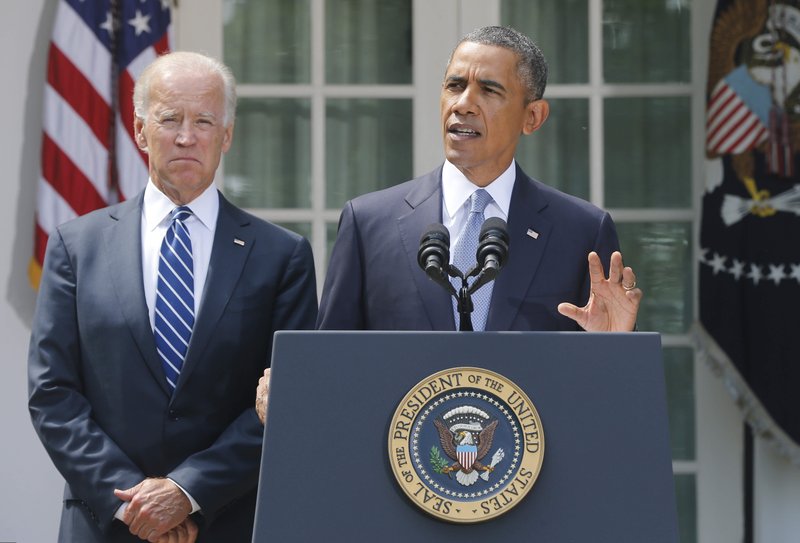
{"x":173,"y":414}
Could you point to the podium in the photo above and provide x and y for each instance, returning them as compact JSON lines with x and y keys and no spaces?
{"x":606,"y":474}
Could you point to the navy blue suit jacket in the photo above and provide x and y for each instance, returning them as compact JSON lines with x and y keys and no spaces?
{"x":98,"y":396}
{"x":374,"y":282}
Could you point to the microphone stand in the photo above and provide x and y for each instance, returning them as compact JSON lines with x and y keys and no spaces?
{"x":465,"y":308}
{"x":464,"y":294}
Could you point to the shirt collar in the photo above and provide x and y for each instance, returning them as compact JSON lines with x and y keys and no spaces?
{"x":157,"y":206}
{"x":456,"y":188}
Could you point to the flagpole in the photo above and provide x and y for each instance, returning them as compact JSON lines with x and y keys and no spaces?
{"x":116,"y":25}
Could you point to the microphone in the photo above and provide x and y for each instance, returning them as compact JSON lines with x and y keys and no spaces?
{"x":492,"y":251}
{"x":434,"y":255}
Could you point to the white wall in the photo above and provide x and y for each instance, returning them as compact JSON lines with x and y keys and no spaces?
{"x":30,"y":494}
{"x":719,"y":426}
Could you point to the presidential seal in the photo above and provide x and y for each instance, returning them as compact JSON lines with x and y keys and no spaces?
{"x":466,"y":444}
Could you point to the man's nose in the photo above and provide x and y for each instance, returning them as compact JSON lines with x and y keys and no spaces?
{"x":465,"y":103}
{"x":185,"y":135}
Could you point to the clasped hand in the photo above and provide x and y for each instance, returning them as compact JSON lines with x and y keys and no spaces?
{"x":158,"y":511}
{"x":262,"y":395}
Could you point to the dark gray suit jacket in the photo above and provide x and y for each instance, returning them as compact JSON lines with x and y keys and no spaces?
{"x":98,"y":397}
{"x":374,"y":282}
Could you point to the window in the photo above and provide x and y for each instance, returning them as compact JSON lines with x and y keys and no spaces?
{"x":326,"y":107}
{"x":619,"y":135}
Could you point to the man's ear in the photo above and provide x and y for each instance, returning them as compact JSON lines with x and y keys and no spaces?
{"x":227,"y":138}
{"x":536,"y":113}
{"x":138,"y":132}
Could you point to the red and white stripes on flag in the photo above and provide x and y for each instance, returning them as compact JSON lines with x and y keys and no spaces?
{"x":731,"y":126}
{"x":780,"y":155}
{"x":466,"y":456}
{"x":89,"y":157}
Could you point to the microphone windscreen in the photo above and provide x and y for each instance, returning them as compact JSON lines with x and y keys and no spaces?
{"x":434,"y":248}
{"x":493,"y":243}
{"x":436,"y":231}
{"x":494,"y":226}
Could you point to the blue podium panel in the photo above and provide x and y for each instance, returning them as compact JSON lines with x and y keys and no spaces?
{"x":606,"y":474}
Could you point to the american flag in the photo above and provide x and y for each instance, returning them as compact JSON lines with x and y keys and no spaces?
{"x":89,"y":157}
{"x":737,"y":119}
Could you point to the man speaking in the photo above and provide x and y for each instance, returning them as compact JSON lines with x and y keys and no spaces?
{"x":554,"y":276}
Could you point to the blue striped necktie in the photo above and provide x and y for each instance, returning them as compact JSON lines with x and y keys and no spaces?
{"x":174,"y":314}
{"x":464,"y":258}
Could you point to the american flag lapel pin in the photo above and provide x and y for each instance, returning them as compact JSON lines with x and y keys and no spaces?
{"x":533,"y":233}
{"x":238,"y":241}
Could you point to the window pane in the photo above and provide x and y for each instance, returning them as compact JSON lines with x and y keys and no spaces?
{"x":268,"y":41}
{"x":560,"y":29}
{"x":558,"y":153}
{"x":368,"y":146}
{"x":268,"y":164}
{"x":686,"y":498}
{"x":648,"y":152}
{"x":679,"y":376}
{"x":646,"y":41}
{"x":368,"y":41}
{"x":660,"y":255}
{"x":331,"y":230}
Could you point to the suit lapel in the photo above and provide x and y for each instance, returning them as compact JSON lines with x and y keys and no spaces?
{"x":123,"y":246}
{"x":224,"y":269}
{"x":524,"y":253}
{"x":425,"y":200}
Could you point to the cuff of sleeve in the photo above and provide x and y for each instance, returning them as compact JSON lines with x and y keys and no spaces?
{"x":195,"y":505}
{"x":121,"y":510}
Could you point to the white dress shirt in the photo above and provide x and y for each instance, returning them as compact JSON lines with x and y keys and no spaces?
{"x":155,"y":221}
{"x":456,"y":190}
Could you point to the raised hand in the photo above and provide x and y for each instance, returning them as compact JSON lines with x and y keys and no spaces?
{"x":614,"y":301}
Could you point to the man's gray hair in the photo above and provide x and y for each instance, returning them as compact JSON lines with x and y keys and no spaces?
{"x":531,"y":64}
{"x":196,"y":62}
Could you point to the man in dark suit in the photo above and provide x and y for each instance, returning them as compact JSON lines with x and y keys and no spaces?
{"x":153,"y":324}
{"x":491,"y":95}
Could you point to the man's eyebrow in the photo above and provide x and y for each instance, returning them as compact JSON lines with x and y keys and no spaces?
{"x":491,"y":83}
{"x":165,"y":112}
{"x":484,"y":82}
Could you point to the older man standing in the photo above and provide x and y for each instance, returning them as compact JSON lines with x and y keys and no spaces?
{"x":153,"y":324}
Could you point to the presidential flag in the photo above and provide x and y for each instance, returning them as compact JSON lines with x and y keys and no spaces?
{"x":89,"y":157}
{"x":750,"y":253}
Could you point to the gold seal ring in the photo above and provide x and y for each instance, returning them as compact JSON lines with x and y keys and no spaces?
{"x":631,"y":287}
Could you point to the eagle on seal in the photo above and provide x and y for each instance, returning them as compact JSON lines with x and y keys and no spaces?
{"x":459,"y":443}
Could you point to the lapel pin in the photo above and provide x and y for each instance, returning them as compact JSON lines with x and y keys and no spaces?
{"x":533,"y":233}
{"x":239,"y":242}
